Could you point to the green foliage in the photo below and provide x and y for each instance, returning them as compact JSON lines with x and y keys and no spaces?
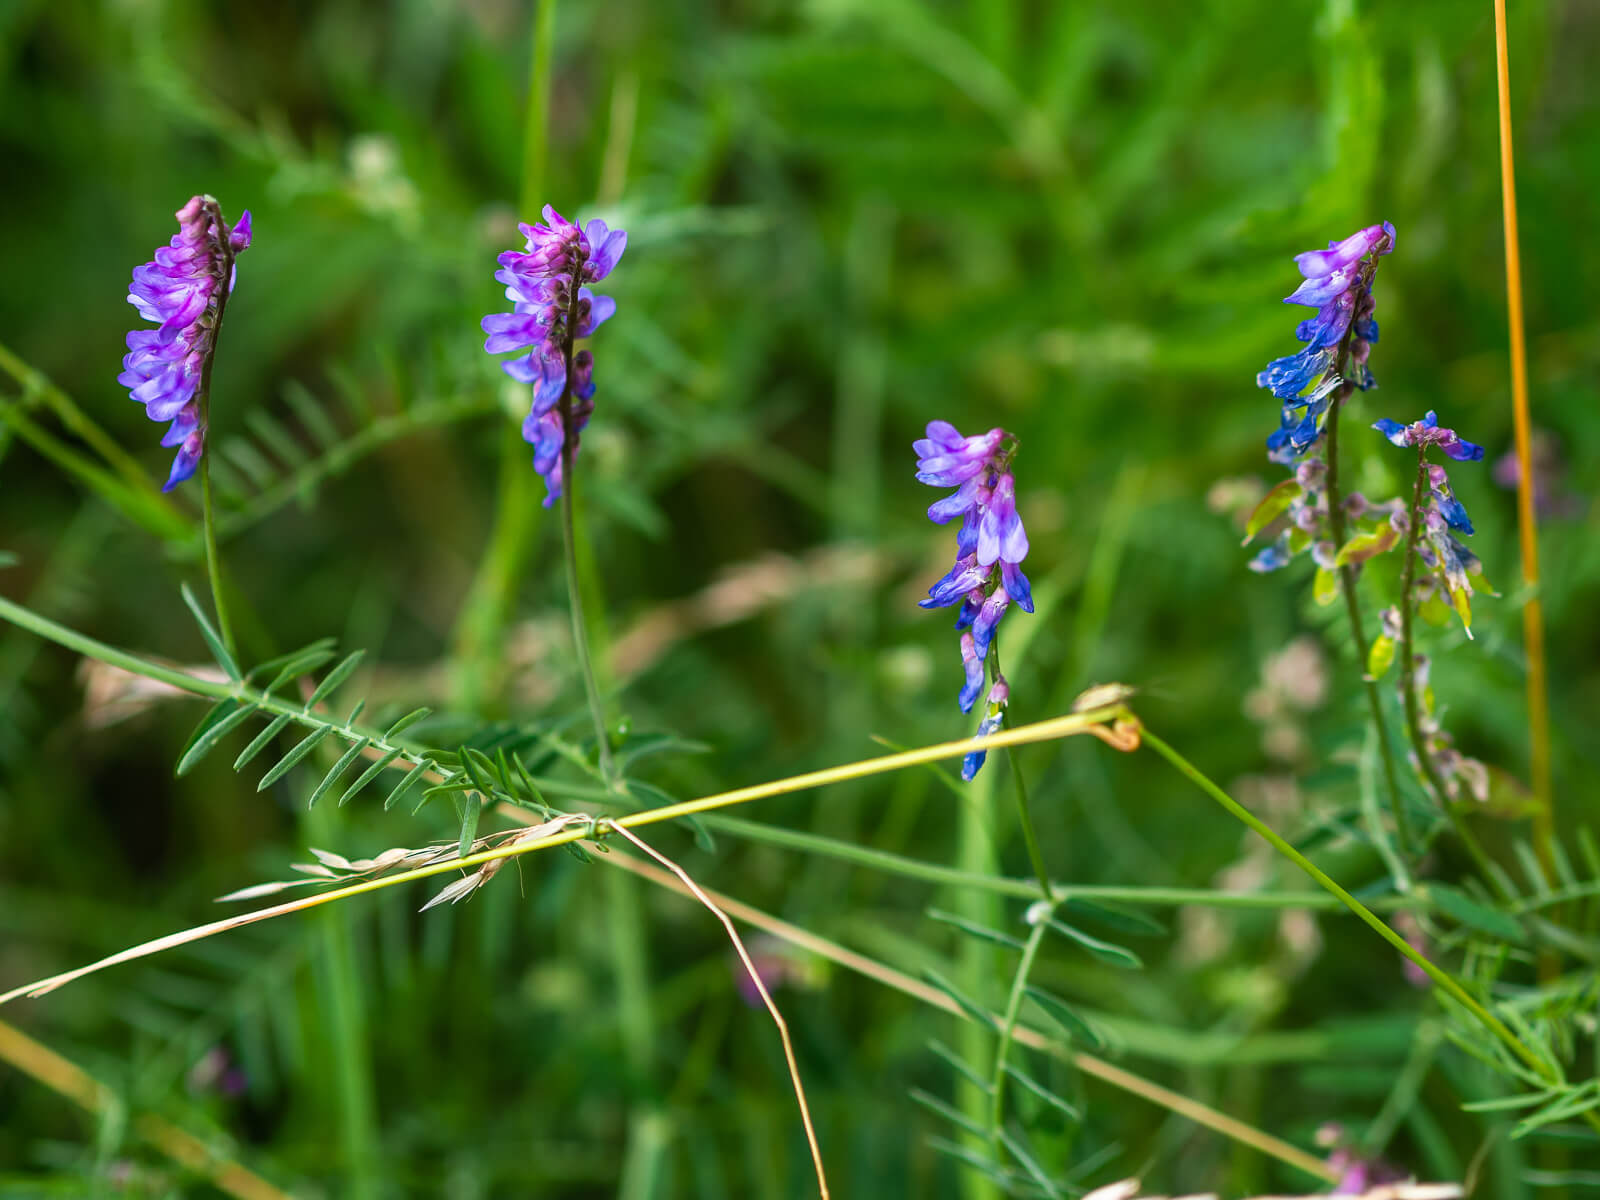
{"x":846,"y":218}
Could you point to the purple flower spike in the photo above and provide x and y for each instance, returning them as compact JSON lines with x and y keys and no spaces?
{"x":183,"y":291}
{"x":1338,"y":284}
{"x":551,"y":309}
{"x":1441,"y":514}
{"x":987,"y":576}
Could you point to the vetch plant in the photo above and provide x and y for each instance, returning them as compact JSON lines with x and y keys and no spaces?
{"x":552,"y":308}
{"x":1434,"y":524}
{"x":990,"y":546}
{"x":1338,"y":284}
{"x":184,"y":290}
{"x":1033,"y":967}
{"x":1309,"y":510}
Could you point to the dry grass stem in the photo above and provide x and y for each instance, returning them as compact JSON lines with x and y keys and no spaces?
{"x":562,"y":833}
{"x":1527,"y":518}
{"x":1106,"y":1072}
{"x":755,"y":977}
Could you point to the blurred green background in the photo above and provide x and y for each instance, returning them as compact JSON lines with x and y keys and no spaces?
{"x":846,"y":218}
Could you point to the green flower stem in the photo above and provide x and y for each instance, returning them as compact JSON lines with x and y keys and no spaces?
{"x":1008,"y":1025}
{"x":1028,"y":889}
{"x":208,"y":523}
{"x":1408,"y":689}
{"x":208,"y":518}
{"x":569,"y":547}
{"x":1029,"y":836}
{"x":1441,"y":978}
{"x":1352,"y":604}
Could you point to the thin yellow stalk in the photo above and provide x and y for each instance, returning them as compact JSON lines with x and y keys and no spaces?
{"x":1127,"y":1081}
{"x":576,"y":827}
{"x":1527,"y":521}
{"x":61,"y":1075}
{"x":699,"y":894}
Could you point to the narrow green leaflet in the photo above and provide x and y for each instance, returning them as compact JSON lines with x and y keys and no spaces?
{"x":259,"y":742}
{"x":1030,"y":1084}
{"x":212,"y":638}
{"x":1020,"y":1153}
{"x":1062,"y":1014}
{"x":298,"y":664}
{"x":321,"y":645}
{"x":406,"y":722}
{"x":1108,"y":952}
{"x":405,"y":785}
{"x":367,"y":776}
{"x":216,"y":726}
{"x":339,"y":768}
{"x":971,"y":1008}
{"x":1475,"y":914}
{"x":335,"y":677}
{"x":300,"y":749}
{"x":982,"y":932}
{"x":1116,"y":916}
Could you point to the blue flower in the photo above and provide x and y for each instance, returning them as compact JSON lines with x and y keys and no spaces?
{"x":551,"y":308}
{"x":1441,"y":515}
{"x":183,"y":291}
{"x":1338,"y":284}
{"x":987,"y":576}
{"x":1427,"y":432}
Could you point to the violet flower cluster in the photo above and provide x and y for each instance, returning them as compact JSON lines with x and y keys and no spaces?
{"x":551,"y":309}
{"x":183,"y":291}
{"x":1338,"y":284}
{"x":990,"y":546}
{"x":1450,"y":564}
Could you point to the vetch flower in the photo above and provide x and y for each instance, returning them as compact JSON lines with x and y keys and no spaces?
{"x":1441,"y":517}
{"x":991,"y":544}
{"x":1338,"y":284}
{"x":551,"y":308}
{"x":1427,"y":432}
{"x":183,"y":291}
{"x":987,"y":577}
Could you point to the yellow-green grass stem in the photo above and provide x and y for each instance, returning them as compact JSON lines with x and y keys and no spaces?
{"x":1440,"y":978}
